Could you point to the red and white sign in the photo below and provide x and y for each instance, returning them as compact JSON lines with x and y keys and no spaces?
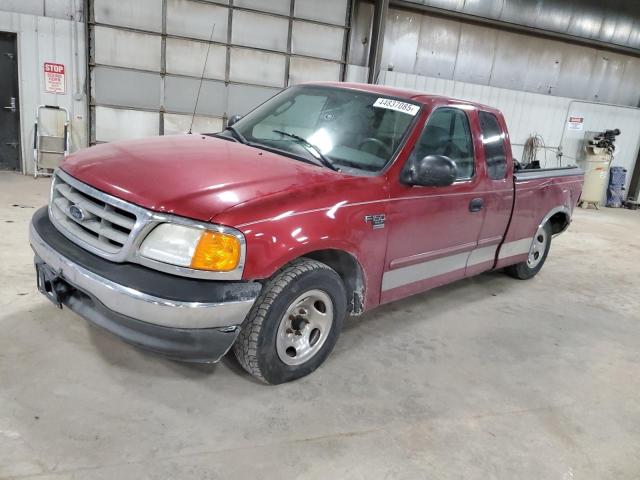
{"x":575,"y":123}
{"x":54,"y":79}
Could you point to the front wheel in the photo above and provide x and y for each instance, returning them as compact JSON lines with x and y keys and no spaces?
{"x":294,"y":323}
{"x":536,"y":258}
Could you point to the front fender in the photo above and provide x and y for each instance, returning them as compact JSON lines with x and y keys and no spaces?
{"x":277,"y":241}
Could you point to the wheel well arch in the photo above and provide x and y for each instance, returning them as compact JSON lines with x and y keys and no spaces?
{"x":558,"y":218}
{"x":350,"y":271}
{"x":559,"y":222}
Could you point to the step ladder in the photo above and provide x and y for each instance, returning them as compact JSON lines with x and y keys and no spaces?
{"x":50,"y":139}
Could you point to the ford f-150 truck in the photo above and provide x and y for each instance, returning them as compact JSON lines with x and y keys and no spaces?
{"x":327,"y":200}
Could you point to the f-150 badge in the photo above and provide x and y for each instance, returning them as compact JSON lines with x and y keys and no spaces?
{"x":377,"y":221}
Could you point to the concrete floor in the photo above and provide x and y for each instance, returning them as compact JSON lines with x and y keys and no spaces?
{"x":486,"y":378}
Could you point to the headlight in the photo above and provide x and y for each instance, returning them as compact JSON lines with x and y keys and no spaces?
{"x":192,"y":248}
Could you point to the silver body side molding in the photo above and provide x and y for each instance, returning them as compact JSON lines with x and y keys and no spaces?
{"x":400,"y":277}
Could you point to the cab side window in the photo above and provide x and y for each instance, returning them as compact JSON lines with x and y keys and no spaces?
{"x":447,"y":133}
{"x":493,"y":143}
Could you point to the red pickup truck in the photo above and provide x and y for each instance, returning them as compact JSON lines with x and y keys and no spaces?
{"x":328,"y":199}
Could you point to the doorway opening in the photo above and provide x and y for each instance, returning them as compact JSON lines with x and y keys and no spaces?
{"x":9,"y":104}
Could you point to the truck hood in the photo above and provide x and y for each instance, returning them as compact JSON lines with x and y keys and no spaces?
{"x":190,"y":175}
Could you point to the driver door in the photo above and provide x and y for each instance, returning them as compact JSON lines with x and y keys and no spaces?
{"x":433,"y":230}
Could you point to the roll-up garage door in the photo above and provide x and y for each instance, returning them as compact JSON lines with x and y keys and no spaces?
{"x":147,"y":56}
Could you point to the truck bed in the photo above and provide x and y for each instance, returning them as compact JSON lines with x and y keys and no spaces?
{"x":541,"y":195}
{"x":569,"y":171}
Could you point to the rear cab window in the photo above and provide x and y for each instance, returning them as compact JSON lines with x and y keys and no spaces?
{"x":493,"y":144}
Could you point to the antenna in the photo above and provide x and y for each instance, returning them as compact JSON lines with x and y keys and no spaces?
{"x":204,"y":69}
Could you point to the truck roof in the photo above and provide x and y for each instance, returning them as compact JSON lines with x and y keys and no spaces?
{"x":414,"y":95}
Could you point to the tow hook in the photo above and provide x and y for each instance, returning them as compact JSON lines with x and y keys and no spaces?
{"x":52,"y":285}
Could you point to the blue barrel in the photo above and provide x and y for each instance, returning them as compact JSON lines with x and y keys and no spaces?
{"x":615,"y":196}
{"x":618,"y":176}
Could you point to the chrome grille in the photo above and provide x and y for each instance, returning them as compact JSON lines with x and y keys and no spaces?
{"x":98,"y":223}
{"x":113,"y":228}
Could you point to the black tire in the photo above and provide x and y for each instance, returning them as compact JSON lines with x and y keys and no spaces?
{"x":522,"y":270}
{"x":255,"y":347}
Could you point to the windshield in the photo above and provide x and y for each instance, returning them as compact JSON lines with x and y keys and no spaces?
{"x":334,"y":126}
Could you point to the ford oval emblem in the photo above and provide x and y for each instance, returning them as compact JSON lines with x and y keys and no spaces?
{"x":77,"y":213}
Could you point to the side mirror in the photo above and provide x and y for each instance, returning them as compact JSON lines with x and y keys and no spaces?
{"x":233,"y":119}
{"x":431,"y":171}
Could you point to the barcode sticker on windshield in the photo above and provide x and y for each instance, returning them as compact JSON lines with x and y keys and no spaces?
{"x":403,"y":107}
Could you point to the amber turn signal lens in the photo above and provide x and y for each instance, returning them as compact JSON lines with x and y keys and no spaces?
{"x":216,"y":251}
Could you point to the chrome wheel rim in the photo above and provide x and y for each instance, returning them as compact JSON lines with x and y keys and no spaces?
{"x":539,"y":245}
{"x":304,"y":327}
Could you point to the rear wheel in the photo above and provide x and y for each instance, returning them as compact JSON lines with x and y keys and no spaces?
{"x":536,"y":258}
{"x":294,"y":323}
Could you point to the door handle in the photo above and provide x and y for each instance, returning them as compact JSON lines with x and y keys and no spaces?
{"x":476,"y":205}
{"x":12,"y":105}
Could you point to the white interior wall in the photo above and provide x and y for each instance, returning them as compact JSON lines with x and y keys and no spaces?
{"x":532,"y":113}
{"x":356,"y":73}
{"x":599,"y":117}
{"x":45,"y":39}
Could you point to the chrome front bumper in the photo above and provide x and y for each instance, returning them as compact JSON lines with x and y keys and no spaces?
{"x":127,"y":311}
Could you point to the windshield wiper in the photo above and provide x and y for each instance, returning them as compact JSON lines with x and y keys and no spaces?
{"x":237,"y":134}
{"x":324,"y":160}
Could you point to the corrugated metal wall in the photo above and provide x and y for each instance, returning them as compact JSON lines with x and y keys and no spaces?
{"x":451,"y":49}
{"x":147,"y":56}
{"x":531,"y":113}
{"x":615,"y":22}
